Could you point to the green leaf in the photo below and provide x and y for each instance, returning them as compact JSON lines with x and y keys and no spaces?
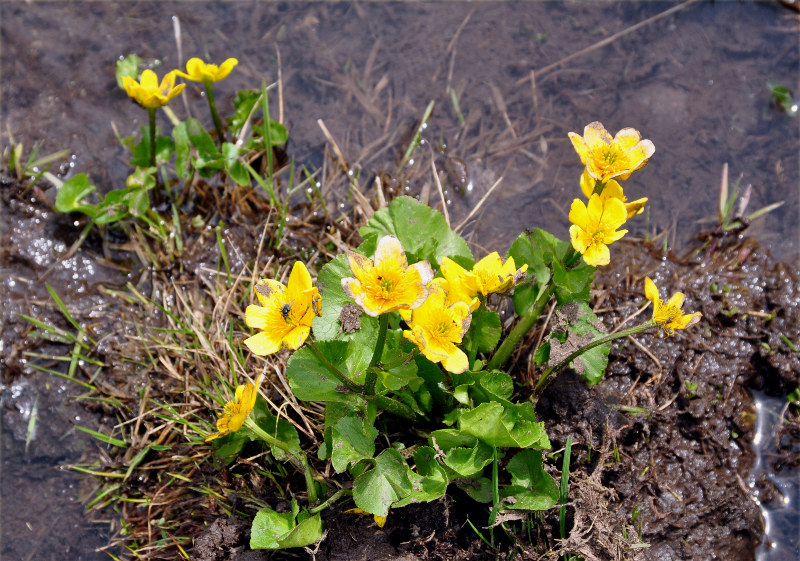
{"x":429,"y":482}
{"x":377,"y":489}
{"x":531,"y":487}
{"x":478,"y":488}
{"x":329,"y":326}
{"x":128,"y":66}
{"x":423,"y":232}
{"x":201,"y":140}
{"x":402,"y":375}
{"x":353,"y":440}
{"x":536,"y":248}
{"x":572,"y":285}
{"x":278,"y":530}
{"x":233,"y":165}
{"x":312,"y":380}
{"x":497,"y":384}
{"x":182,"y":148}
{"x":72,"y":192}
{"x":468,"y":461}
{"x":334,"y":412}
{"x":244,"y":102}
{"x":484,"y":331}
{"x":113,"y":207}
{"x":512,"y":425}
{"x":542,"y":354}
{"x":582,"y":326}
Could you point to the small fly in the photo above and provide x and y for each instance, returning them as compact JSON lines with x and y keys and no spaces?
{"x":286,"y":310}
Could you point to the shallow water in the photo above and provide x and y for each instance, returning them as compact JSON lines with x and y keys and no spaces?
{"x":692,"y":81}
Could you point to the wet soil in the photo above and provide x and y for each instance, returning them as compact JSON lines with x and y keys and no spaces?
{"x":676,"y":476}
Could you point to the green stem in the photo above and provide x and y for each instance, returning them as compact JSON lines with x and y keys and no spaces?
{"x":151,"y":113}
{"x":394,"y":407}
{"x":598,"y":187}
{"x":540,"y":385}
{"x":349,"y":384}
{"x":508,"y":345}
{"x":495,"y":494}
{"x":562,"y":500}
{"x":372,"y":377}
{"x":332,"y":499}
{"x":300,"y":461}
{"x":213,"y":107}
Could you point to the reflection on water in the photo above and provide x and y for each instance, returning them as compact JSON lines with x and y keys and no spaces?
{"x":776,"y":492}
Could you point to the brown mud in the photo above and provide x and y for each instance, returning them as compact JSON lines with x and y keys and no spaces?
{"x":661,"y":450}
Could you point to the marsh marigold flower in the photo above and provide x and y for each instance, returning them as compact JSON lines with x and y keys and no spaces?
{"x":612,"y":189}
{"x":595,"y":226}
{"x":236,"y":410}
{"x":387,"y":283}
{"x":489,"y":275}
{"x":285,"y":313}
{"x":607,"y":158}
{"x":148,"y":92}
{"x":199,"y":71}
{"x":669,"y":315}
{"x":437,"y":326}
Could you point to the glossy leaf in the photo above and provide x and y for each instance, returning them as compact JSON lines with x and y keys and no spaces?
{"x":423,"y":232}
{"x":512,"y":425}
{"x":386,"y":483}
{"x":353,"y":440}
{"x":531,"y":487}
{"x":279,"y":530}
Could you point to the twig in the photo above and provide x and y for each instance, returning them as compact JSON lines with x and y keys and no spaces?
{"x":606,"y":41}
{"x":480,"y":203}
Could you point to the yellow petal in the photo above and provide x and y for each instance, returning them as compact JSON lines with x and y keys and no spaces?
{"x":596,"y":137}
{"x":149,"y":80}
{"x":651,"y":292}
{"x":579,"y":215}
{"x":635,"y":207}
{"x":597,"y":255}
{"x":259,"y":317}
{"x":456,"y":362}
{"x":587,"y":182}
{"x":612,"y":214}
{"x":299,"y":279}
{"x":225,"y":69}
{"x":580,"y":146}
{"x":579,"y":238}
{"x":686,"y":320}
{"x":676,"y":301}
{"x":296,"y":337}
{"x":263,"y":344}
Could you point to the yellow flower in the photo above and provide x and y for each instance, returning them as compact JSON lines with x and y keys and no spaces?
{"x":437,"y":326}
{"x":669,"y":316}
{"x":148,"y":93}
{"x":199,"y":71}
{"x":237,"y":410}
{"x":606,"y":157}
{"x":285,"y":313}
{"x":612,"y":189}
{"x":489,"y":275}
{"x":595,"y":226}
{"x":379,"y":520}
{"x":387,"y":283}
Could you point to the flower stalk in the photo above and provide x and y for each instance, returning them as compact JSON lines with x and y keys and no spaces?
{"x":299,"y":460}
{"x":212,"y":106}
{"x":524,"y":324}
{"x":380,"y":343}
{"x":543,"y":380}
